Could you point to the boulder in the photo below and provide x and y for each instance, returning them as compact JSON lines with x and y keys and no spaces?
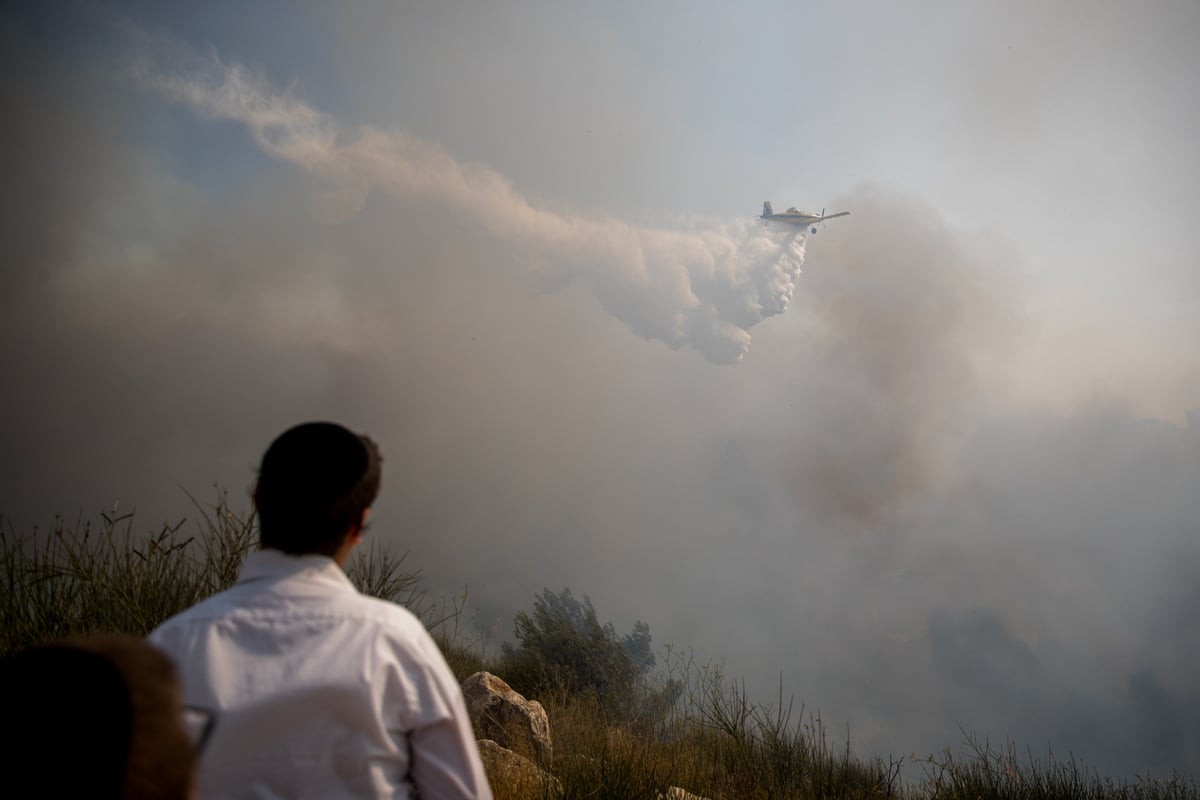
{"x":520,"y":776}
{"x":500,"y":714}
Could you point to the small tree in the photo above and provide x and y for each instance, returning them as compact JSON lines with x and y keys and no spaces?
{"x":563,"y":645}
{"x":637,"y":647}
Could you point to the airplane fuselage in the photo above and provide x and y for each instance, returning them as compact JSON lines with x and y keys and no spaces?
{"x":794,"y":216}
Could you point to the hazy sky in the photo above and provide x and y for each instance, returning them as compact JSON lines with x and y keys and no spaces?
{"x":934,"y":465}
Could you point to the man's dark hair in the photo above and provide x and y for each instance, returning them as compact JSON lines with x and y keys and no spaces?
{"x":314,"y":484}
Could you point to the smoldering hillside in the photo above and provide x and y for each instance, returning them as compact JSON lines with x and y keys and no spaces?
{"x":871,"y":503}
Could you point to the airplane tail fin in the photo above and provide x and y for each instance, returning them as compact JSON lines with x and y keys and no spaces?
{"x":767,"y":208}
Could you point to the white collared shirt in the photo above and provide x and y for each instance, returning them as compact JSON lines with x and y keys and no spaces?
{"x":320,"y":691}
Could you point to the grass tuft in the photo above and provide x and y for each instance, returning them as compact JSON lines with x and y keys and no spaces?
{"x":82,"y":578}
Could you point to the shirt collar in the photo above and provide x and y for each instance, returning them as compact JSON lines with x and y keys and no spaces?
{"x":269,"y":563}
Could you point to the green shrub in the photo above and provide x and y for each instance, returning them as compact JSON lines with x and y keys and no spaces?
{"x":563,"y":646}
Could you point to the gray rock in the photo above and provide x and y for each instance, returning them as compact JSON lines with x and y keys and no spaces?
{"x":501,"y":714}
{"x":515,"y":772}
{"x":675,"y":793}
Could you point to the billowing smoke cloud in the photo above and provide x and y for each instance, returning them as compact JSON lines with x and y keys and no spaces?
{"x":703,"y":289}
{"x":903,"y":331}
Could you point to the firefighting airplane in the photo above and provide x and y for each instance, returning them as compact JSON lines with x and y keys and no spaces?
{"x":794,"y":217}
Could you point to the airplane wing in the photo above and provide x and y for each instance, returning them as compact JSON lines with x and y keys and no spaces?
{"x":831,"y":216}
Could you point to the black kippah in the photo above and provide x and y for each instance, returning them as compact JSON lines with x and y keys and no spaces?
{"x":318,"y":459}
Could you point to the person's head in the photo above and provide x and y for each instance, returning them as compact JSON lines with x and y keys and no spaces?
{"x":100,"y":716}
{"x":315,"y":484}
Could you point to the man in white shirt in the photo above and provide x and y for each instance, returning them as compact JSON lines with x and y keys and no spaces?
{"x":319,"y":691}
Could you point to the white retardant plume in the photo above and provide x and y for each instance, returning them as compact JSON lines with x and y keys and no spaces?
{"x":702,"y":289}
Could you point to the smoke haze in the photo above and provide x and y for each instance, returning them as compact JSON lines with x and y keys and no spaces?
{"x":952,"y":482}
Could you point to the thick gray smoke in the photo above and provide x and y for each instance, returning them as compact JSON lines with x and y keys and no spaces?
{"x":904,"y":328}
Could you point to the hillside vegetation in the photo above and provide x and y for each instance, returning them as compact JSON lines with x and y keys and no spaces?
{"x":624,"y":724}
